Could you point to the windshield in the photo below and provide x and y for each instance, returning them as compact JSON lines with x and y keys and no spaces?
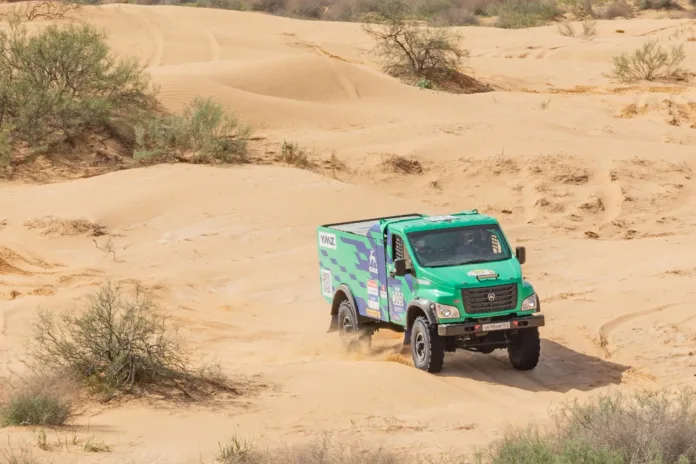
{"x":459,"y":245}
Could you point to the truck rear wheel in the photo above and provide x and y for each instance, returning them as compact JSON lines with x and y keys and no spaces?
{"x":427,"y":348}
{"x":348,"y":328}
{"x":524,"y":349}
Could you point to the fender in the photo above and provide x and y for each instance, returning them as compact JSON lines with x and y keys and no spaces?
{"x":414,"y":307}
{"x":342,"y":292}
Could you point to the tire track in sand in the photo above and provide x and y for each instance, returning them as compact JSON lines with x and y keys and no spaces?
{"x":155,"y":35}
{"x":606,"y":330}
{"x":213,"y":45}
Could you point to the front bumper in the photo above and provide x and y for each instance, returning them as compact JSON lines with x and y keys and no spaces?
{"x":476,"y":328}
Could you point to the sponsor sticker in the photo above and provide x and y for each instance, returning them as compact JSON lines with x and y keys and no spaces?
{"x":327,"y":240}
{"x":440,"y":218}
{"x":373,"y":294}
{"x":383,"y":295}
{"x":374,"y":313}
{"x":326,"y":283}
{"x":480,"y":272}
{"x":372,"y":266}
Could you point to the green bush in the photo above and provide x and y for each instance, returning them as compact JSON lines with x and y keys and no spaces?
{"x":514,"y":14}
{"x":204,"y":132}
{"x":63,"y":80}
{"x":41,"y":409}
{"x":37,"y":400}
{"x":650,"y":428}
{"x":650,"y":62}
{"x":236,"y":5}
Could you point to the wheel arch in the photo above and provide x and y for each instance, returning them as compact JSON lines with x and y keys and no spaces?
{"x":419,"y":308}
{"x":342,"y":293}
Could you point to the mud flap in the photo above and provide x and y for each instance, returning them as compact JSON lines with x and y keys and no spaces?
{"x":407,"y":337}
{"x":333,"y":326}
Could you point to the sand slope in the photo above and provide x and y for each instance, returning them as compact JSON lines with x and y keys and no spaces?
{"x":231,"y":252}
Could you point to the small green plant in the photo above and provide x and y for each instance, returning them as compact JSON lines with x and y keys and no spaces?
{"x":650,"y":62}
{"x":203,"y":133}
{"x":424,"y":83}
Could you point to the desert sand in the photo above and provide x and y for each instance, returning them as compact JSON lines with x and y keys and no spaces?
{"x":600,"y":192}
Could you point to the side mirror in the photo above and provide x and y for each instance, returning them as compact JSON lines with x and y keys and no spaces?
{"x":400,"y":267}
{"x":521,"y":254}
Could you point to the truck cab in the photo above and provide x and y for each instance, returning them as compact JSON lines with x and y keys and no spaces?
{"x":447,"y":282}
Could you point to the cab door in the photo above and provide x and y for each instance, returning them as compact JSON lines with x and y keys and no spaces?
{"x":400,"y":289}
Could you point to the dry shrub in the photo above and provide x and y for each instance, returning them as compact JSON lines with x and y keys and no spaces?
{"x":17,"y":454}
{"x":119,"y":344}
{"x":55,"y":226}
{"x":589,"y":29}
{"x":410,"y":51}
{"x":400,"y":164}
{"x":517,"y":14}
{"x":650,"y":62}
{"x":658,"y":5}
{"x":427,"y":57}
{"x":617,"y":9}
{"x":40,"y":10}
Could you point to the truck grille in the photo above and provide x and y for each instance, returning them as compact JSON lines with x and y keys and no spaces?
{"x":477,"y":300}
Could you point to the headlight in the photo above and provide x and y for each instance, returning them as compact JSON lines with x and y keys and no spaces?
{"x":530,"y":303}
{"x":446,"y":311}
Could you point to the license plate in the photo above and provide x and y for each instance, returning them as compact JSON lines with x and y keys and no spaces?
{"x":495,"y":326}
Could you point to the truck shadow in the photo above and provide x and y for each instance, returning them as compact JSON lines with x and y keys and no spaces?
{"x":560,"y":369}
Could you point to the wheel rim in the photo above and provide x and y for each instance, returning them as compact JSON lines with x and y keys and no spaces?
{"x":346,"y":324}
{"x":419,"y":346}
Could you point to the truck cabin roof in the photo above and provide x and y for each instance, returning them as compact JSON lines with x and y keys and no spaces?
{"x":441,"y":222}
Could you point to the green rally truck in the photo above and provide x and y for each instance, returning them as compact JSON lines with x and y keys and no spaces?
{"x":446,"y":282}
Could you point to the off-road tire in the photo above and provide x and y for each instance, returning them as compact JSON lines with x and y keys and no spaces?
{"x":348,"y":326}
{"x":427,"y":348}
{"x":524,"y":349}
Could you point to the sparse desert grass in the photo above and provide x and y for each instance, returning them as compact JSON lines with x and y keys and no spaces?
{"x":55,"y":226}
{"x":16,"y":454}
{"x":400,"y":164}
{"x":646,"y":427}
{"x":294,"y":155}
{"x":588,"y":31}
{"x":650,"y":62}
{"x":119,"y":343}
{"x":204,"y":132}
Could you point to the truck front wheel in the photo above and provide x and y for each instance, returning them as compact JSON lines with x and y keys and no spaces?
{"x":427,"y":348}
{"x":348,"y":327}
{"x":524,"y":349}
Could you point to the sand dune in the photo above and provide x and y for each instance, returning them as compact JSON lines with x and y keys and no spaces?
{"x":559,"y":153}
